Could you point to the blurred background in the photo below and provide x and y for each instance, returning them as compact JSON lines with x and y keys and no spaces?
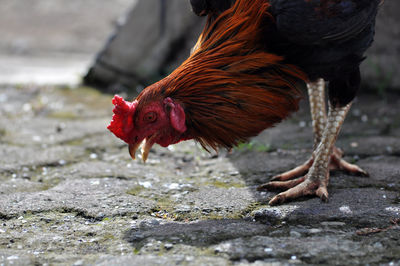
{"x":70,"y":194}
{"x":54,"y":41}
{"x":119,"y":45}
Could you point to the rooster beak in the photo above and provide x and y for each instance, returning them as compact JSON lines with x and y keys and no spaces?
{"x":145,"y":150}
{"x":132,"y":149}
{"x":146,"y":147}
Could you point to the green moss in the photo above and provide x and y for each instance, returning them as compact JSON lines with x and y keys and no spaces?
{"x":254,"y":146}
{"x":136,"y":251}
{"x":108,"y":236}
{"x":195,"y":216}
{"x":287,"y":146}
{"x":252,"y":207}
{"x":135,"y":190}
{"x":220,"y":184}
{"x":3,"y":132}
{"x":74,"y":142}
{"x":385,"y":78}
{"x":64,"y":115}
{"x":85,"y":95}
{"x":164,"y":204}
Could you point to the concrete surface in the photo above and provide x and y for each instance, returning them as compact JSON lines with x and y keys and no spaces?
{"x":71,"y":195}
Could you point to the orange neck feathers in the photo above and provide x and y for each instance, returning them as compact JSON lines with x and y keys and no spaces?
{"x":230,"y":87}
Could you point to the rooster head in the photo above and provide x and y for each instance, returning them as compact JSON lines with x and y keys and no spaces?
{"x":160,"y":121}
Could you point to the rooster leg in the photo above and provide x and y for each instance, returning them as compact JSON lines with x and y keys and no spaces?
{"x":316,"y":92}
{"x":316,"y":180}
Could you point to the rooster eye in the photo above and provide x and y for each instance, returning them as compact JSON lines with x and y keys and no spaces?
{"x":150,"y":117}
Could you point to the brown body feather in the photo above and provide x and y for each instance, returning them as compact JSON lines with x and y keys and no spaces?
{"x":230,"y":87}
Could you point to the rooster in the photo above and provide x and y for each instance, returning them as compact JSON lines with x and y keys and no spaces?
{"x":243,"y":76}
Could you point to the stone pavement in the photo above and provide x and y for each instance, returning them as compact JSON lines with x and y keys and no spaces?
{"x":71,"y":195}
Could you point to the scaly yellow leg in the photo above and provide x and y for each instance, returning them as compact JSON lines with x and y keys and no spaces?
{"x":325,"y":156}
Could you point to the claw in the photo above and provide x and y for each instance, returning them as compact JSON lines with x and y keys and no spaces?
{"x":336,"y":163}
{"x":278,"y":199}
{"x":350,"y":168}
{"x":296,"y":172}
{"x":322,"y":193}
{"x":281,"y":185}
{"x":303,"y":189}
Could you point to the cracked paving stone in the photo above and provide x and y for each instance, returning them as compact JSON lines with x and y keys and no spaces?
{"x":13,"y":158}
{"x":305,"y":250}
{"x":197,"y":233}
{"x":228,"y":201}
{"x":365,"y":207}
{"x":8,"y":257}
{"x":78,"y":198}
{"x":44,"y":131}
{"x":161,"y":260}
{"x":20,"y":185}
{"x":97,"y":198}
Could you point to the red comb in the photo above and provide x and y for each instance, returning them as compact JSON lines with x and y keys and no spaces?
{"x":122,"y":121}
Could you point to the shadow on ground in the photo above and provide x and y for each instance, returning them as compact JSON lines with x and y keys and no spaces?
{"x":358,"y":225}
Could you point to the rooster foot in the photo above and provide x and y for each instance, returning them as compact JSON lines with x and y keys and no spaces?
{"x":336,"y":163}
{"x":312,"y":183}
{"x":307,"y":185}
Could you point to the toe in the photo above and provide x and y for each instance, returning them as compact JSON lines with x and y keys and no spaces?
{"x":352,"y":168}
{"x":322,"y":193}
{"x":337,"y":151}
{"x":276,"y":200}
{"x":281,"y":185}
{"x":303,"y":189}
{"x":294,"y":173}
{"x":338,"y":163}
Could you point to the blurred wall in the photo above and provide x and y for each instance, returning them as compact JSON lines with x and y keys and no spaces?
{"x":153,"y":42}
{"x":57,"y":26}
{"x":381,"y":69}
{"x":156,"y":37}
{"x":54,"y":41}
